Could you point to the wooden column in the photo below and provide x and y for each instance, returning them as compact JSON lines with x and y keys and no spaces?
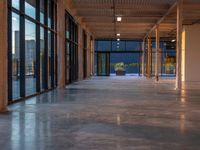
{"x":143,"y":55}
{"x":149,"y":57}
{"x":179,"y":43}
{"x":157,"y":53}
{"x":61,"y":42}
{"x":3,"y":57}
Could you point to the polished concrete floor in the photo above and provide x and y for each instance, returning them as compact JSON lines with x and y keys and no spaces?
{"x":116,"y":113}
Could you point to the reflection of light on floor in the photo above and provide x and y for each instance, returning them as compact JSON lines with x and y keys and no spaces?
{"x":182,"y":123}
{"x":118,"y":120}
{"x":182,"y":100}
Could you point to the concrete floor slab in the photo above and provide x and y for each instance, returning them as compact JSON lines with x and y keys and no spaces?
{"x":105,"y":113}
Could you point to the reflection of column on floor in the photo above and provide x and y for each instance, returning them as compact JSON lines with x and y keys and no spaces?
{"x":3,"y":56}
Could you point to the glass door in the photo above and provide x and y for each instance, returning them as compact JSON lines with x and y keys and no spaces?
{"x":103,"y":64}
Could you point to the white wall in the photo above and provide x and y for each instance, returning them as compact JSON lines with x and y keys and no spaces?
{"x":191,"y":53}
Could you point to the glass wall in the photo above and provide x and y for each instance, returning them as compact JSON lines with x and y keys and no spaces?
{"x":84,"y":55}
{"x":30,"y":57}
{"x":130,"y":60}
{"x":31,"y":38}
{"x":125,"y":51}
{"x":71,"y":51}
{"x":167,"y":57}
{"x":15,"y":55}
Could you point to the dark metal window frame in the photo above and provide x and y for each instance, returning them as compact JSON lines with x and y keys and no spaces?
{"x":139,"y":52}
{"x":36,"y":21}
{"x":84,"y":54}
{"x":72,"y":68}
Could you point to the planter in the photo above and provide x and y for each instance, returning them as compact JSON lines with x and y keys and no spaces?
{"x":120,"y":73}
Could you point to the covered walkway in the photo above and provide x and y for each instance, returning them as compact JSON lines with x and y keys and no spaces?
{"x":105,"y":113}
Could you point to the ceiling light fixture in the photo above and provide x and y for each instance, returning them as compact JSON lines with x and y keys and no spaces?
{"x":117,"y":43}
{"x":173,"y":40}
{"x":118,"y":39}
{"x":119,"y":19}
{"x":118,"y":34}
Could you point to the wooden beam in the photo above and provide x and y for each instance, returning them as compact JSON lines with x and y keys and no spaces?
{"x":161,"y":19}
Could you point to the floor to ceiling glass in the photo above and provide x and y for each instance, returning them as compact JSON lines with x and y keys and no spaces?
{"x":167,"y":57}
{"x":84,"y":55}
{"x":30,"y":57}
{"x":31,"y":38}
{"x":125,"y":52}
{"x":71,"y":50}
{"x":15,"y":55}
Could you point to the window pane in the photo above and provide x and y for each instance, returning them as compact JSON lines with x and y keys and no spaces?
{"x":15,"y":4}
{"x":130,"y":61}
{"x":42,"y":58}
{"x":67,"y":28}
{"x":133,"y":46}
{"x":30,"y":57}
{"x":49,"y":57}
{"x":49,"y":13}
{"x":118,"y":45}
{"x":15,"y":56}
{"x":104,"y":45}
{"x":30,"y":8}
{"x":42,"y":11}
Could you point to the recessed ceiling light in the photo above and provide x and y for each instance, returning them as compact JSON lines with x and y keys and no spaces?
{"x":118,"y":39}
{"x":118,"y":34}
{"x":119,"y":19}
{"x":117,"y":43}
{"x":173,"y":40}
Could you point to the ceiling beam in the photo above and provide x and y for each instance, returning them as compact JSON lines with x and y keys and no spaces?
{"x":161,"y":19}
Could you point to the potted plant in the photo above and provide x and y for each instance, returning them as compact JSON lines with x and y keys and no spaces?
{"x":120,"y":69}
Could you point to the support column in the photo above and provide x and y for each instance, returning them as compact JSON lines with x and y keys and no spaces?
{"x":92,"y":56}
{"x":149,"y":57}
{"x":143,"y":55}
{"x":88,"y":56}
{"x":179,"y":43}
{"x":3,"y":57}
{"x":61,"y":42}
{"x":157,"y":53}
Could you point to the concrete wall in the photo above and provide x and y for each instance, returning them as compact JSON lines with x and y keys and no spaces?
{"x":3,"y":56}
{"x":191,"y":53}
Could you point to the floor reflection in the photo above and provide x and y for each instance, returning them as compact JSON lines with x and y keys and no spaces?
{"x":103,"y":114}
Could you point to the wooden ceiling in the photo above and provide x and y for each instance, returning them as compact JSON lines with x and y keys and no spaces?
{"x":138,"y":16}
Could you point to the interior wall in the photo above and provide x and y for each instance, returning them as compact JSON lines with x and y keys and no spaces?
{"x":191,"y":53}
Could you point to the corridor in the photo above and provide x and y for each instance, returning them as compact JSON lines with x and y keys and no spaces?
{"x":105,"y":113}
